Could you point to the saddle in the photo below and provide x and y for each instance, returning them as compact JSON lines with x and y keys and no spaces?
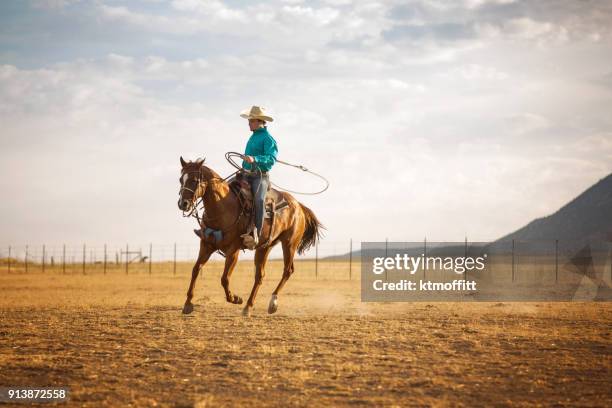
{"x":274,"y":202}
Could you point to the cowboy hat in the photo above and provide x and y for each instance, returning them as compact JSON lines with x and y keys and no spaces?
{"x":256,"y":112}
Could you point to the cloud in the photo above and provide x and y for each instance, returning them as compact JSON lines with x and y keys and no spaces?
{"x":472,"y":4}
{"x":53,"y":4}
{"x":214,"y":8}
{"x":527,"y":123}
{"x":475,"y":72}
{"x":519,"y":19}
{"x":195,"y":16}
{"x":319,"y":17}
{"x":453,"y":105}
{"x":525,"y":29}
{"x":172,"y":25}
{"x":446,"y":32}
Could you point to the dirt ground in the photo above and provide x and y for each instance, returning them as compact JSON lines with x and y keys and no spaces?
{"x":119,"y":340}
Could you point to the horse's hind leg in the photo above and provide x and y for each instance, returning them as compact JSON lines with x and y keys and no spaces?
{"x":205,"y":253}
{"x":261,"y":256}
{"x":230,"y":263}
{"x":289,"y":249}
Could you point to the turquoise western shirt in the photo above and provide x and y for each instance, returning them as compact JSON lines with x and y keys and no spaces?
{"x":262,"y":147}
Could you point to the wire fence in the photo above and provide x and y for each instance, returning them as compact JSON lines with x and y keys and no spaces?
{"x":514,"y":260}
{"x":322,"y":261}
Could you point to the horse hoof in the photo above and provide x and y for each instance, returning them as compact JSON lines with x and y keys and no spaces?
{"x":188,"y":308}
{"x":237,"y":300}
{"x":273,"y":306}
{"x":246,"y":312}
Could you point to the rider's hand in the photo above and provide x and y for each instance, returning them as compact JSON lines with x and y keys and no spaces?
{"x":249,"y":159}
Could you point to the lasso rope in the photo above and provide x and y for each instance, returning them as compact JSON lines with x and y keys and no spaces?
{"x":229,"y":156}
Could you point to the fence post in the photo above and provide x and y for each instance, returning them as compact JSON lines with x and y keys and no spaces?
{"x":9,"y":260}
{"x":127,"y":249}
{"x":351,"y":259}
{"x":26,"y":260}
{"x":64,"y":259}
{"x":150,"y":256}
{"x":84,"y":257}
{"x":317,"y":261}
{"x":105,"y":259}
{"x":43,"y":258}
{"x":465,"y":274}
{"x":174,"y":259}
{"x":424,"y":256}
{"x":512,"y":260}
{"x":556,"y":260}
{"x":386,"y":247}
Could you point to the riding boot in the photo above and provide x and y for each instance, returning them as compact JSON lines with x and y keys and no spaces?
{"x":198,"y":232}
{"x":250,"y":241}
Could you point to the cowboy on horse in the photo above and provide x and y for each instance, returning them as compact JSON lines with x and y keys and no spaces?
{"x":227,"y":214}
{"x":260,"y":155}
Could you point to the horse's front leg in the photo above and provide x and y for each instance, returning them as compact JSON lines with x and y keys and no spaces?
{"x":230,"y":262}
{"x":205,"y":253}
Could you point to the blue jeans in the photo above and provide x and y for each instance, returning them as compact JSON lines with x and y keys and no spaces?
{"x":259,"y":187}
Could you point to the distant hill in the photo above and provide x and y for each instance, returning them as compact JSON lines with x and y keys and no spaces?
{"x":588,"y":216}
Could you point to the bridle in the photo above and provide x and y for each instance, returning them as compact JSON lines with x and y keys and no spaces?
{"x":202,"y":184}
{"x":195,"y":200}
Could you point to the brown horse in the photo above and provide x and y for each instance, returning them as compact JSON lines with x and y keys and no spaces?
{"x":295,"y":227}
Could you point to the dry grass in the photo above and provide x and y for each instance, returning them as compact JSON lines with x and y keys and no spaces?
{"x":119,"y":340}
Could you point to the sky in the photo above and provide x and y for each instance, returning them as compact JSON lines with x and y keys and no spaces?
{"x":430,"y":118}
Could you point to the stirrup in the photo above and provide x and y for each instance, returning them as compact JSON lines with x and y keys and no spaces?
{"x":255,"y":236}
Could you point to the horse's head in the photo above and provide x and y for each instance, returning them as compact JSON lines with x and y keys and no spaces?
{"x":193,"y":183}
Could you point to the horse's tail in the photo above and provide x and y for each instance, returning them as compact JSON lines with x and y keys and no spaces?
{"x":311,"y":233}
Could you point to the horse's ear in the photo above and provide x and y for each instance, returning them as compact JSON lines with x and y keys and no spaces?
{"x":183,"y":162}
{"x":200,"y":161}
